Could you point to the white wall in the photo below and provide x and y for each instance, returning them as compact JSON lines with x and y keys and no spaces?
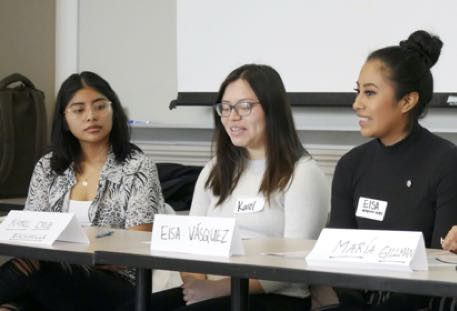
{"x":133,"y":45}
{"x":66,"y":40}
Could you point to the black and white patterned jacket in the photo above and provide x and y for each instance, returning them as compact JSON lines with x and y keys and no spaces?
{"x":128,"y":193}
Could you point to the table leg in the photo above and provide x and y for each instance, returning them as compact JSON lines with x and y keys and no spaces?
{"x":240,"y":294}
{"x":143,"y":289}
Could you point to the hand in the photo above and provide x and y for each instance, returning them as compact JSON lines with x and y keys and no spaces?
{"x":199,"y":290}
{"x":450,"y":242}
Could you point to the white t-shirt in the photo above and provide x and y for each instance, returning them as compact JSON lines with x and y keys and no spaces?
{"x":300,"y":211}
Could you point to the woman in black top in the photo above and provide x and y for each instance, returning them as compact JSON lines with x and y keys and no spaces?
{"x":410,"y":173}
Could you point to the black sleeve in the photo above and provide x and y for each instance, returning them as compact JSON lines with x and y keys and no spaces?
{"x":342,"y":213}
{"x":446,"y":197}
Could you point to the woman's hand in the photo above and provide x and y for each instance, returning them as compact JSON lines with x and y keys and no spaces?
{"x":196,"y":290}
{"x":450,"y":242}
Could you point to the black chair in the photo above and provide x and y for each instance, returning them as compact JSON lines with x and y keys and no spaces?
{"x":178,"y":183}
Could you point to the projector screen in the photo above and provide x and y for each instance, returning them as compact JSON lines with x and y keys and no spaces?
{"x":317,"y":46}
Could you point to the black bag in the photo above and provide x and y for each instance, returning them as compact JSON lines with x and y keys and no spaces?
{"x":22,"y":133}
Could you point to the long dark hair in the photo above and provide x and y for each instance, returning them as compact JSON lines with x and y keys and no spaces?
{"x":409,"y":66}
{"x":283,"y":147}
{"x":64,"y":146}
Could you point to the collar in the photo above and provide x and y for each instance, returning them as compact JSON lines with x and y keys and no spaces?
{"x":414,"y":135}
{"x":110,"y":170}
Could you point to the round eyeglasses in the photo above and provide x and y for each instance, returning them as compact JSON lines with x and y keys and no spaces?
{"x":78,"y":111}
{"x":242,"y":108}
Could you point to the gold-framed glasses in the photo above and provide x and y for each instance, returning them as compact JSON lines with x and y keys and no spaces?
{"x":78,"y":111}
{"x":242,"y":108}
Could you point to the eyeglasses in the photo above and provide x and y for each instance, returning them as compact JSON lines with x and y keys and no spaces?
{"x":79,"y":110}
{"x":242,"y":108}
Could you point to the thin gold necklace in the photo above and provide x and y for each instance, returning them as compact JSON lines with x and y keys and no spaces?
{"x":84,"y":182}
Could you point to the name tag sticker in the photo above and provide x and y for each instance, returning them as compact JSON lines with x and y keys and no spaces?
{"x":249,"y":205}
{"x":369,"y":249}
{"x":215,"y":236}
{"x":41,"y":228}
{"x":371,"y":209}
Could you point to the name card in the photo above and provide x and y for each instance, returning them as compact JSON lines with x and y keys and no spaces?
{"x":214,"y":236}
{"x":41,"y":228}
{"x":371,"y":249}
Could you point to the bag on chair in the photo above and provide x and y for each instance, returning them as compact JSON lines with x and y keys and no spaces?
{"x":22,"y":133}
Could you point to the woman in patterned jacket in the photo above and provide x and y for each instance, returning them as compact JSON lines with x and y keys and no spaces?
{"x":94,"y":172}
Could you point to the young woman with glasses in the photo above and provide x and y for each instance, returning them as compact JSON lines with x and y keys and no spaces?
{"x":95,"y":172}
{"x":259,"y":161}
{"x":408,"y":172}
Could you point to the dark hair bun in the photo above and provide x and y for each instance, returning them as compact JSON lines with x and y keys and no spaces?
{"x":425,"y":44}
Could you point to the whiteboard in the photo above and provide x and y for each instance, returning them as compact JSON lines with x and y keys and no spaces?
{"x":317,"y":46}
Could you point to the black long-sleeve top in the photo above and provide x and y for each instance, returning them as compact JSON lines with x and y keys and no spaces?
{"x":417,"y":177}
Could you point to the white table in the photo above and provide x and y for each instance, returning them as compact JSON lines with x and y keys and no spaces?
{"x":440,"y":280}
{"x":132,"y":248}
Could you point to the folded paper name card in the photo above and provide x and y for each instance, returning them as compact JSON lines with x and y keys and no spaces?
{"x":371,"y":249}
{"x":214,"y":236}
{"x":41,"y":228}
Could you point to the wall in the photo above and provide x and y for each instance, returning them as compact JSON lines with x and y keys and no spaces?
{"x":151,"y":49}
{"x":133,"y":45}
{"x":27,"y":42}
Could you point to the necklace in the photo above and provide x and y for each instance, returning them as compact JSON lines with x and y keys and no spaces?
{"x":84,"y":182}
{"x":89,"y":172}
